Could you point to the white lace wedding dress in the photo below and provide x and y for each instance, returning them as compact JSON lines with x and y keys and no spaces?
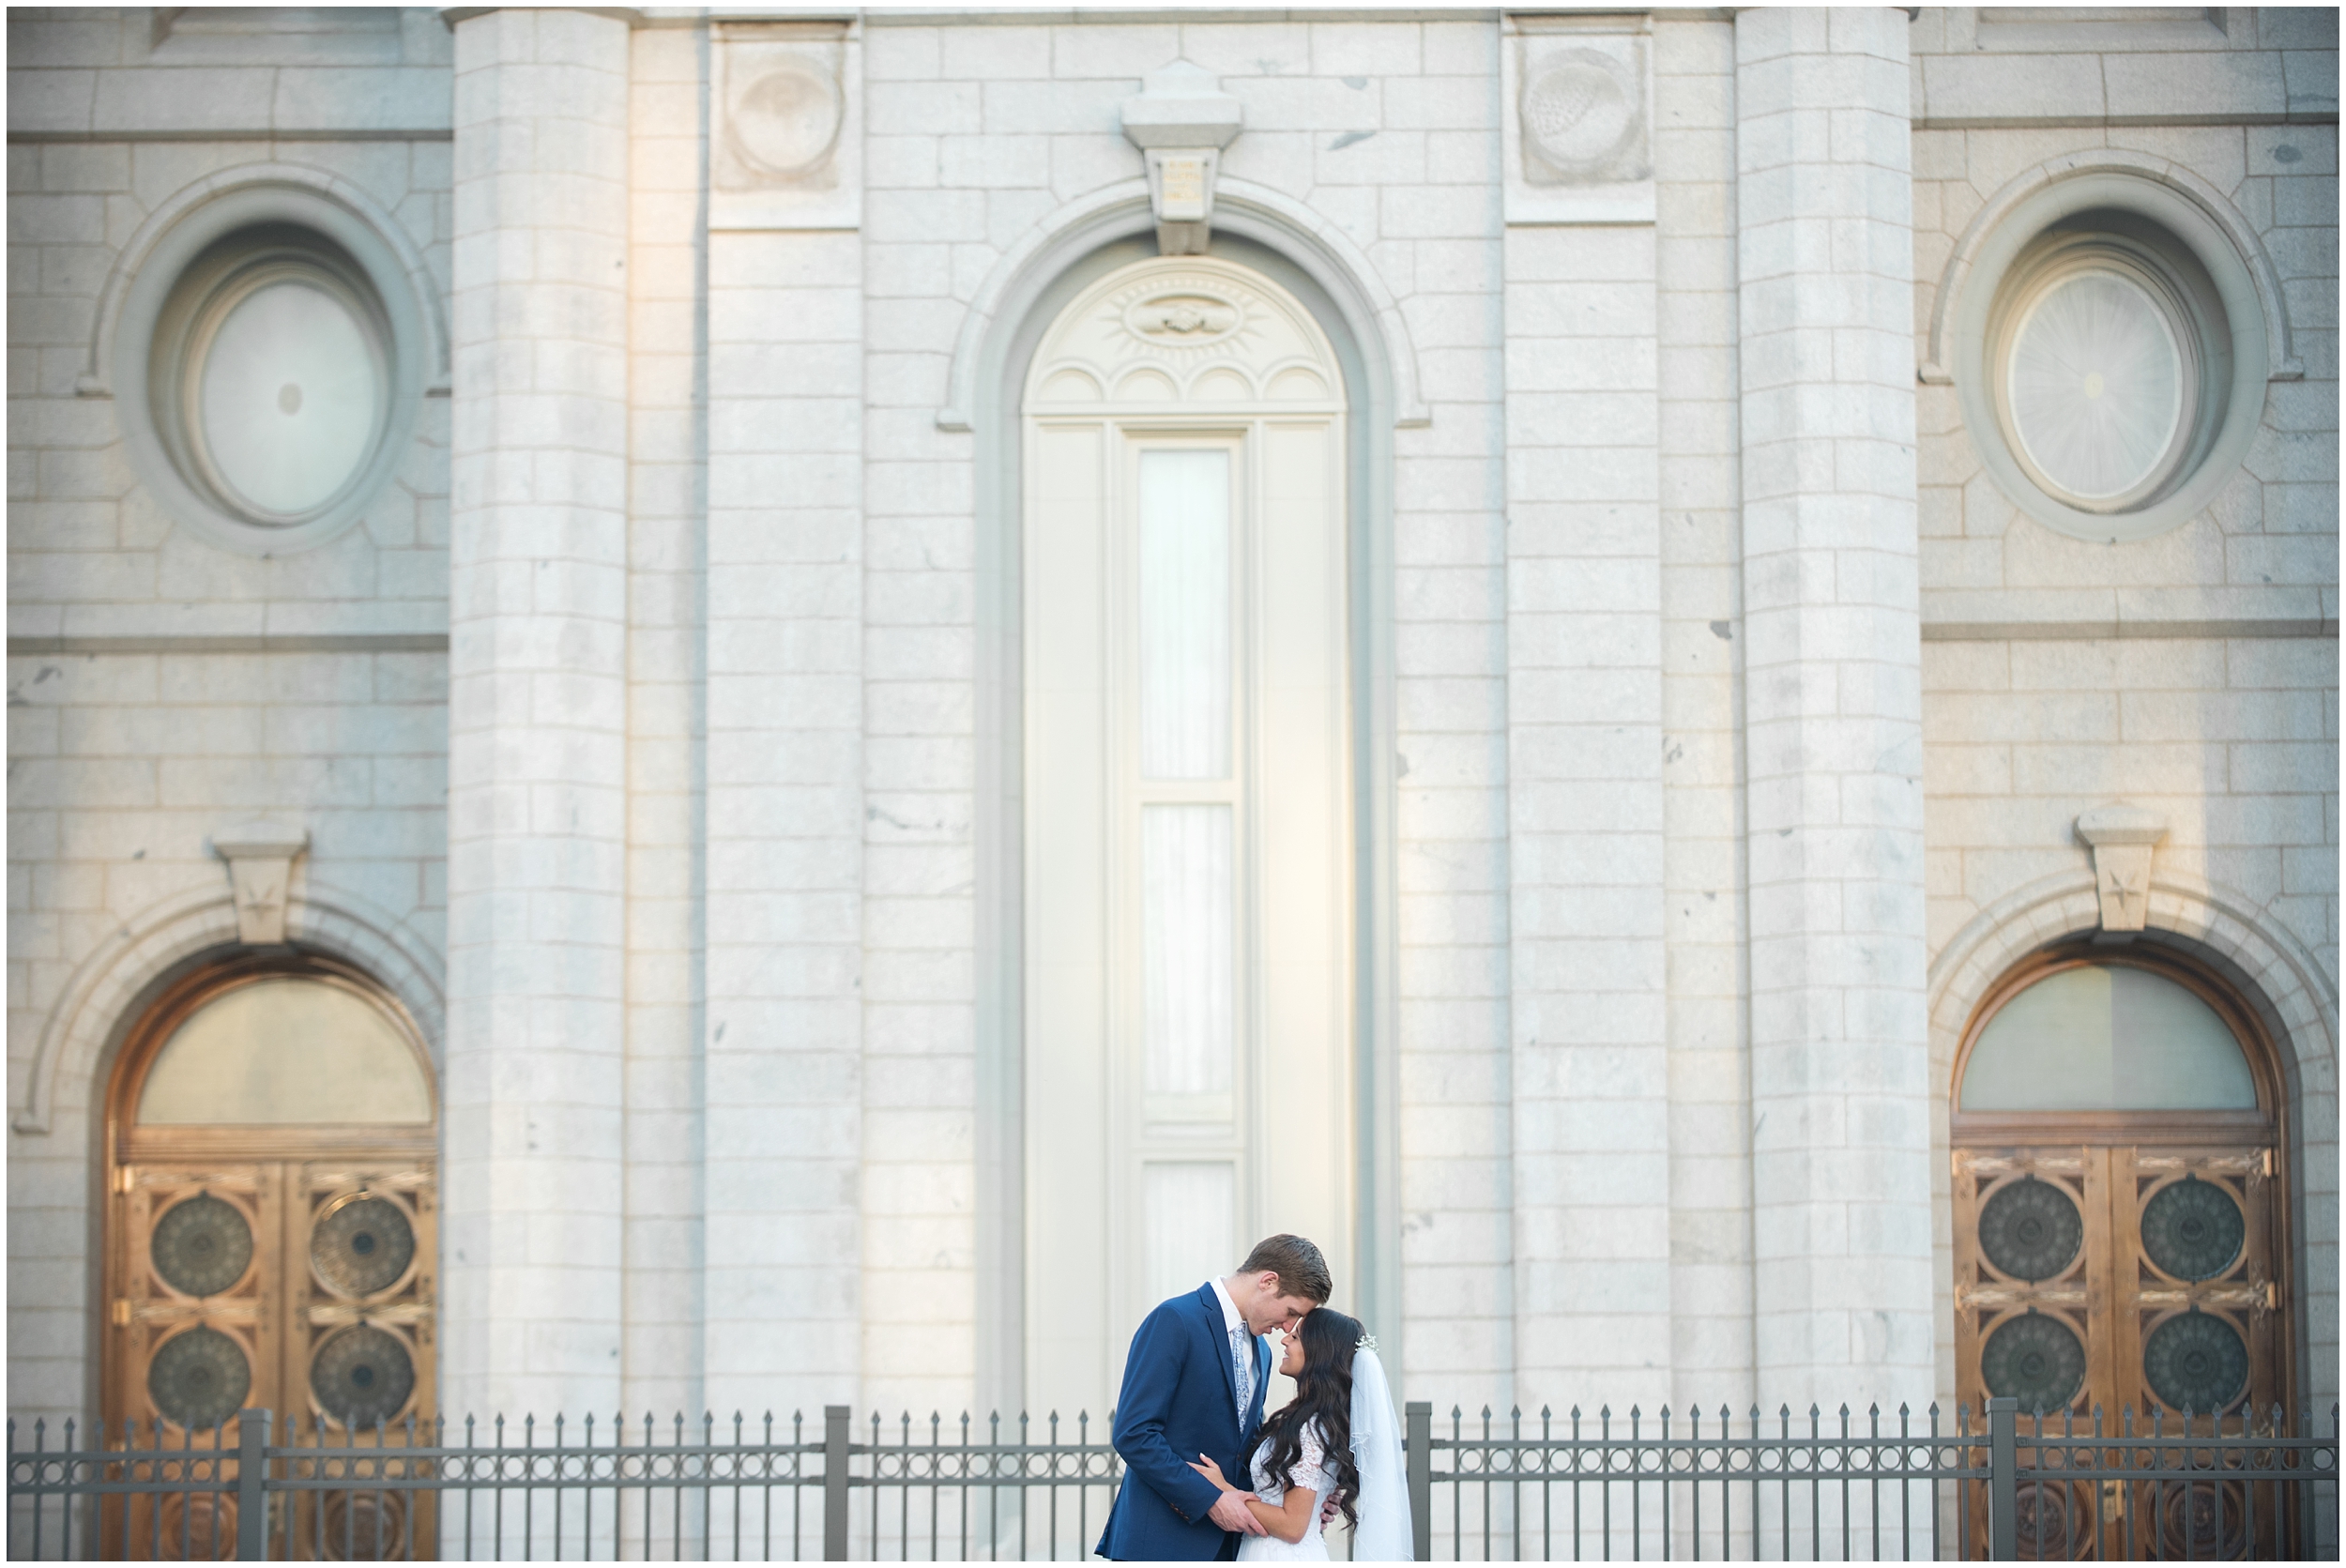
{"x":1310,"y":1471}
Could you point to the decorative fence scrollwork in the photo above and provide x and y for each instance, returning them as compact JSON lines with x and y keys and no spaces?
{"x":1672,"y":1486}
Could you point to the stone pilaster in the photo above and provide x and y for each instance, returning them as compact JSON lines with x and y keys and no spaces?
{"x":1589,"y":1071}
{"x":1841,"y":1174}
{"x":787,"y":625}
{"x":536,"y":716}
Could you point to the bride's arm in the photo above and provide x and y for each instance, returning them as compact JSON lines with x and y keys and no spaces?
{"x":1290,"y":1521}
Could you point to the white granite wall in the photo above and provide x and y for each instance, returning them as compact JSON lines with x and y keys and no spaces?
{"x":1840,"y":1178}
{"x":538,"y":712}
{"x":715,"y":743}
{"x":1389,"y":129}
{"x":784,"y":1080}
{"x":162,"y":688}
{"x":2218,"y":708}
{"x":1590,"y":1072}
{"x":1706,"y":912}
{"x":666,"y":720}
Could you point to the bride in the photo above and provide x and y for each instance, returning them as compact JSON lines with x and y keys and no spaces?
{"x":1337,"y":1436}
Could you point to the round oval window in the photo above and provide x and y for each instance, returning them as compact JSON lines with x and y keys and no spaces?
{"x":2101,"y":379}
{"x":275,"y":388}
{"x":285,"y":395}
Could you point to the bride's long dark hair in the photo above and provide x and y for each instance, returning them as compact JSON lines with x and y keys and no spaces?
{"x":1324,"y":1395}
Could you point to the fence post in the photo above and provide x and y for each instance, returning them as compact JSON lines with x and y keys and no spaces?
{"x":835,"y":1484}
{"x":1419,"y":1451}
{"x":251,"y":1495}
{"x":2004,"y":1480}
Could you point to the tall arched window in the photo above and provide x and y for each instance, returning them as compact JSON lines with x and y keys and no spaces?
{"x":1188,"y":812}
{"x":272,"y":1153}
{"x":2121,"y":1223}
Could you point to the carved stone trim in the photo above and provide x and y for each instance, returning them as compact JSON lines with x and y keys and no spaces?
{"x":1577,"y":120}
{"x":1181,"y":119}
{"x":785,"y":148}
{"x":260,"y":856}
{"x":2122,"y":838}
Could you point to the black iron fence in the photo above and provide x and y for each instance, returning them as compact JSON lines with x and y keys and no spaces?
{"x":1672,"y":1486}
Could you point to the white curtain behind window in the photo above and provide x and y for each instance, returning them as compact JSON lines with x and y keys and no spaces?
{"x":1187,"y":991}
{"x":1188,"y":1203}
{"x":1185,"y":615}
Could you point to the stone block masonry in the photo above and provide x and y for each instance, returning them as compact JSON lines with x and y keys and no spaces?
{"x":538,"y":706}
{"x":1833,"y":710}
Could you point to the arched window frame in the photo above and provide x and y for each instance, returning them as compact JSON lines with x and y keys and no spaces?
{"x":2256,"y":1046}
{"x":180,"y":1001}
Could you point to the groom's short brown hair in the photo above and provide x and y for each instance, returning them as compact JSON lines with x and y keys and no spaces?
{"x":1300,"y":1269}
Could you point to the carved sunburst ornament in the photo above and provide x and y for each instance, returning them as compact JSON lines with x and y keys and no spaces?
{"x":1187,"y":318}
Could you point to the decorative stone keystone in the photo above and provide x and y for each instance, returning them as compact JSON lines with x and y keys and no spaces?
{"x":260,"y":856}
{"x":2122,"y":838}
{"x":1182,"y":120}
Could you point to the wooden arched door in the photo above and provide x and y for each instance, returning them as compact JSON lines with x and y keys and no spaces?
{"x":271,"y":1233}
{"x":2121,"y":1228}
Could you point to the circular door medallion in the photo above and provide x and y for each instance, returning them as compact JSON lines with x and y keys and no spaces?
{"x":202,"y":1246}
{"x":199,"y":1379}
{"x":362,"y":1375}
{"x":2203,"y":1522}
{"x":363,"y":1519}
{"x":2042,"y":1520}
{"x":363,"y":1245}
{"x":2036,"y":1359}
{"x":2030,"y":1229}
{"x":2192,"y":1228}
{"x":2197,"y":1362}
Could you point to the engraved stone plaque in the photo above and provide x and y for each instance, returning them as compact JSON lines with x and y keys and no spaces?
{"x":786,"y":151}
{"x":1577,"y":124}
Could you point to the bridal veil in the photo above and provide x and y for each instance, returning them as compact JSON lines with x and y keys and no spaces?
{"x":1383,"y":1533}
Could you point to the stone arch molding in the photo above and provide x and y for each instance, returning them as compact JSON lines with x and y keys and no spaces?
{"x":1324,"y":250}
{"x":2299,"y":990}
{"x":89,"y":1015}
{"x":2283,"y":362}
{"x":97,"y":375}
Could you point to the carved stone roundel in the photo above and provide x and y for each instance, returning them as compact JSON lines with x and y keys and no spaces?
{"x":200,"y":1246}
{"x":1578,"y":110}
{"x":199,"y":1379}
{"x":786,"y":119}
{"x":363,"y":1246}
{"x":2030,"y":1229}
{"x":362,"y":1375}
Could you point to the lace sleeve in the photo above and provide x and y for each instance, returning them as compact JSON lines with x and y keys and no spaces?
{"x":1310,"y":1472}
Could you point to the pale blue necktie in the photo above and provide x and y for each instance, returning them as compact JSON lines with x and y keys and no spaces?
{"x":1243,"y":1359}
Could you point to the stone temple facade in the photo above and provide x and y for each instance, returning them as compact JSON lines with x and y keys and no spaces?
{"x":938,"y":664}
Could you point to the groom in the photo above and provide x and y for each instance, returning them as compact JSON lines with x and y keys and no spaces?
{"x":1193,"y":1384}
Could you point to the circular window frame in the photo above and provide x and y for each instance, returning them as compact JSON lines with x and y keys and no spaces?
{"x":2170,"y":236}
{"x":2066,"y":257}
{"x":177,"y":290}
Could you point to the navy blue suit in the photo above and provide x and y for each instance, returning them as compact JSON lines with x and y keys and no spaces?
{"x":1180,"y":1400}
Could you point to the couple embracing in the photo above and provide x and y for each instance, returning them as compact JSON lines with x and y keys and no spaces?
{"x":1206,"y":1476}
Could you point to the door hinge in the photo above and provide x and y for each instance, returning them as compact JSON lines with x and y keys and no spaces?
{"x":123,"y":1180}
{"x":2269,"y":1171}
{"x":122,"y":1312}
